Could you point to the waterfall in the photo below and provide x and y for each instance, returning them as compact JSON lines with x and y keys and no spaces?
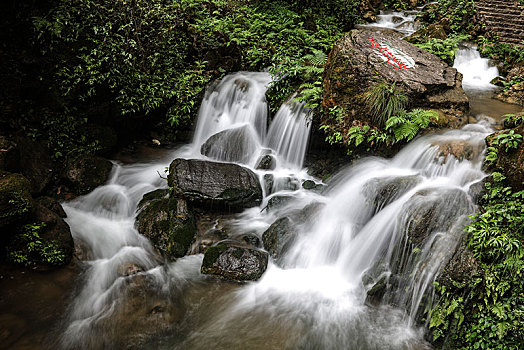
{"x":396,"y":220}
{"x":477,"y":71}
{"x":289,"y":133}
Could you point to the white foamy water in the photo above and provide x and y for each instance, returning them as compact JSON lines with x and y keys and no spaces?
{"x":353,"y":235}
{"x":477,"y":71}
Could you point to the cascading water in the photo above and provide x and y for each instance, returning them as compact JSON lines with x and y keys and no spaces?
{"x":402,"y":22}
{"x":379,"y":220}
{"x":477,"y":71}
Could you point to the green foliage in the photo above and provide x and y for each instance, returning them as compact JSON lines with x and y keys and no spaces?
{"x":508,"y":54}
{"x":509,"y":84}
{"x":492,"y":314}
{"x":28,"y":248}
{"x":445,"y":49}
{"x":507,"y":140}
{"x":460,"y":14}
{"x":384,"y":101}
{"x":406,"y":125}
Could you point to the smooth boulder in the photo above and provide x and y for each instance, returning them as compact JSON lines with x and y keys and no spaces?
{"x":215,"y":186}
{"x":234,"y":262}
{"x":232,"y":145}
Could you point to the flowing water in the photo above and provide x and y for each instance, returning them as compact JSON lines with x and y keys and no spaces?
{"x":402,"y":22}
{"x":394,"y":222}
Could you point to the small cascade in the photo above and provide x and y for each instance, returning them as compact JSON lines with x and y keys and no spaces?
{"x":289,"y":133}
{"x":402,"y":22}
{"x":238,"y":99}
{"x":477,"y":71}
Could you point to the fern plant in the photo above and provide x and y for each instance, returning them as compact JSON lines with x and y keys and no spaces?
{"x":384,"y":101}
{"x":406,"y":125}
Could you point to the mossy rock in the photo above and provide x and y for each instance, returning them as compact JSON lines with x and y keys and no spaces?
{"x":87,"y":172}
{"x":235,"y":263}
{"x":16,"y":202}
{"x":170,"y":226}
{"x":278,"y":237}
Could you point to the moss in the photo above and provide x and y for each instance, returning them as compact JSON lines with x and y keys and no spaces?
{"x":15,"y":198}
{"x":237,"y":253}
{"x":211,"y":255}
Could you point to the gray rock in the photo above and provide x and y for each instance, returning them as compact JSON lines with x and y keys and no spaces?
{"x":278,"y":237}
{"x":266,"y":162}
{"x":354,"y":65}
{"x":269,"y":180}
{"x":234,"y":262}
{"x":277,"y":202}
{"x":215,"y":186}
{"x":232,"y":145}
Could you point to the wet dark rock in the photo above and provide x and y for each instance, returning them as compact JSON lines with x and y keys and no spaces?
{"x":278,"y":237}
{"x":266,"y":162}
{"x":461,"y":269}
{"x":234,"y":262}
{"x":277,"y":202}
{"x":51,"y":204}
{"x":269,"y":180}
{"x":152,"y":196}
{"x":308,"y":184}
{"x":252,"y":240}
{"x":428,"y":212}
{"x":499,"y":81}
{"x":87,"y":172}
{"x":354,"y":66}
{"x":215,"y":186}
{"x":231,"y":145}
{"x":16,"y":203}
{"x":383,"y":191}
{"x":13,"y":328}
{"x":35,"y":163}
{"x":9,"y":155}
{"x":170,"y":226}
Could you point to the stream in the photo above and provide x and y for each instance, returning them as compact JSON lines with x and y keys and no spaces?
{"x":355,"y":235}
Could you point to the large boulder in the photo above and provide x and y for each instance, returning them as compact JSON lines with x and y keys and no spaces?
{"x":169,"y":224}
{"x":358,"y":61}
{"x":234,"y":262}
{"x":232,"y":145}
{"x":35,"y":163}
{"x":215,"y":185}
{"x":87,"y":172}
{"x":16,"y":202}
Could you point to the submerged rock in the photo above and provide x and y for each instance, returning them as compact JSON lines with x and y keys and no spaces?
{"x":277,"y":202}
{"x":169,"y":224}
{"x":231,"y":145}
{"x":383,"y":191}
{"x":87,"y":172}
{"x":234,"y":262}
{"x":215,"y":186}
